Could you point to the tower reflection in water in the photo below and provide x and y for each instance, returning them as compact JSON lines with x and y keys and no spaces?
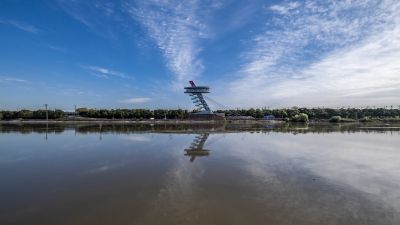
{"x":196,"y":148}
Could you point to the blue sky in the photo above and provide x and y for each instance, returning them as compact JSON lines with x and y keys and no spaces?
{"x":135,"y":54}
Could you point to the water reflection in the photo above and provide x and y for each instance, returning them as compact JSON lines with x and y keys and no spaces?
{"x":196,"y":149}
{"x":103,"y":128}
{"x":142,"y":174}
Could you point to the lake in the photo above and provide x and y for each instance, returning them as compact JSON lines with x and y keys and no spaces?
{"x":199,"y":174}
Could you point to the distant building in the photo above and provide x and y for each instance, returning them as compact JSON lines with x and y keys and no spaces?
{"x":269,"y":117}
{"x":239,"y":118}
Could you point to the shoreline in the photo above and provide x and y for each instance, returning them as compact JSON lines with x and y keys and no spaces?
{"x":105,"y":121}
{"x":188,"y":122}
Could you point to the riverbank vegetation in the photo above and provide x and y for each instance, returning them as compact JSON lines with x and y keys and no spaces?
{"x":288,"y":114}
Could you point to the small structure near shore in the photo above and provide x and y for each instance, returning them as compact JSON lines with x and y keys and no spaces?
{"x":269,"y":117}
{"x":240,"y":118}
{"x":203,"y":110}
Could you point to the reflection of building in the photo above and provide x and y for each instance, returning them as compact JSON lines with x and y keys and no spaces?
{"x":196,"y":148}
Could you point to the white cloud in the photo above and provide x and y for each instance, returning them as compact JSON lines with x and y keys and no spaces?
{"x":95,"y":15}
{"x":285,"y":8}
{"x":135,"y":100}
{"x":59,"y":49}
{"x":13,"y":79}
{"x":105,"y":73}
{"x":176,"y":27}
{"x":21,"y":25}
{"x":75,"y":10}
{"x":324,"y":54}
{"x":73,"y":92}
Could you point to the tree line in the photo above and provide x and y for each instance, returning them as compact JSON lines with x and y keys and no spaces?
{"x":293,"y":113}
{"x":134,"y":113}
{"x":32,"y":114}
{"x":97,"y":113}
{"x":316,"y":113}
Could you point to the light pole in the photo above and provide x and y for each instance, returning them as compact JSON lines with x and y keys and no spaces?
{"x":47,"y":121}
{"x":47,"y":113}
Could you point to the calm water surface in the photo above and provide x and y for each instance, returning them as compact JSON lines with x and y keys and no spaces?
{"x":115,"y":174}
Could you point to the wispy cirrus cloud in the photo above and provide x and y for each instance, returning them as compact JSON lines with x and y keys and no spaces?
{"x":285,"y":8}
{"x":13,"y":79}
{"x":75,"y":92}
{"x":300,"y":31}
{"x":17,"y":83}
{"x":176,"y":27}
{"x":21,"y":26}
{"x":75,"y":10}
{"x":58,"y":49}
{"x":135,"y":100}
{"x":106,"y":73}
{"x":100,"y":17}
{"x":327,"y":53}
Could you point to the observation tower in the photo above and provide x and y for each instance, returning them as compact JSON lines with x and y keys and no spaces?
{"x":203,"y":110}
{"x":196,"y":94}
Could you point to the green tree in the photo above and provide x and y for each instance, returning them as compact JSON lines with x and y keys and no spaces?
{"x":335,"y":119}
{"x":301,"y":117}
{"x":279,"y":113}
{"x":25,"y":114}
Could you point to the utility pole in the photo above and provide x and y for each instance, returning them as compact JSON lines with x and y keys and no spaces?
{"x":47,"y":121}
{"x":75,"y":109}
{"x":47,"y":113}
